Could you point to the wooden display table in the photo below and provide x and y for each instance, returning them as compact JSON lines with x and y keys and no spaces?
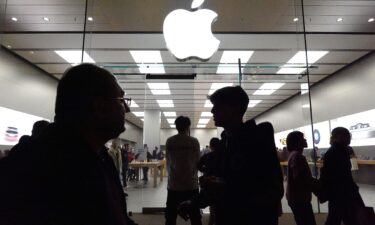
{"x":155,"y":166}
{"x":320,"y":163}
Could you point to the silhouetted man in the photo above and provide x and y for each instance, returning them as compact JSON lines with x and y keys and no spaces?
{"x":249,"y":187}
{"x":300,"y":182}
{"x":182,"y":153}
{"x":65,"y":176}
{"x":337,"y":180}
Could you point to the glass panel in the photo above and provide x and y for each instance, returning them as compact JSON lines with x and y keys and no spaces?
{"x":346,"y":32}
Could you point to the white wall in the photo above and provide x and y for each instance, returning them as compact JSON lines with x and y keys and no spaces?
{"x":203,"y":135}
{"x":349,"y":91}
{"x":25,"y":88}
{"x":132,"y":133}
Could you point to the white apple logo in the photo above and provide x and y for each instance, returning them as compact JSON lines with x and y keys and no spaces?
{"x":188,"y":33}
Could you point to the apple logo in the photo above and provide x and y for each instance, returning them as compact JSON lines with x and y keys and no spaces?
{"x":188,"y":33}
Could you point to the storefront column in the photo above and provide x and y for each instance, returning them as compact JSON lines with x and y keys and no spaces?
{"x":151,"y":129}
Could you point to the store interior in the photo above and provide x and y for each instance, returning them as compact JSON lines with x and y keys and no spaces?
{"x":305,"y":65}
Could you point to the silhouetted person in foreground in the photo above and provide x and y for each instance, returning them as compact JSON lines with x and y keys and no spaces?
{"x":249,"y":185}
{"x":38,"y":128}
{"x":300,"y":181}
{"x":182,"y":155}
{"x":65,"y":176}
{"x":337,"y":181}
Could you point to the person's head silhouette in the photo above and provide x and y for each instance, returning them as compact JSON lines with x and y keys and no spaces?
{"x":90,"y":100}
{"x":229,"y":106}
{"x":341,"y":135}
{"x":296,"y":141}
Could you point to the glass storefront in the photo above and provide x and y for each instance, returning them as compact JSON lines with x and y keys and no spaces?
{"x":306,"y":65}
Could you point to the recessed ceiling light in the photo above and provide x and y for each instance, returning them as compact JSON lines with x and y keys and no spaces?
{"x":216,"y":86}
{"x":90,"y":18}
{"x":232,"y":57}
{"x":201,"y":126}
{"x":340,"y":19}
{"x":295,"y":19}
{"x":206,"y":114}
{"x":14,"y":19}
{"x":172,"y":126}
{"x":304,"y":88}
{"x":45,"y":18}
{"x":170,"y":114}
{"x":31,"y":52}
{"x":208,"y":104}
{"x":165,"y":103}
{"x":171,"y":121}
{"x":159,"y":88}
{"x":139,"y":114}
{"x":300,"y":58}
{"x":74,"y":56}
{"x":9,"y":46}
{"x":253,"y":103}
{"x":145,"y":60}
{"x":370,"y":20}
{"x":306,"y":106}
{"x":268,"y":88}
{"x":203,"y":121}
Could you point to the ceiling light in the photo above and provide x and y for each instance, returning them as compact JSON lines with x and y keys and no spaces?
{"x":170,"y":114}
{"x":31,"y":52}
{"x":133,"y":104}
{"x":171,"y":121}
{"x":306,"y":106}
{"x":14,"y":19}
{"x":304,"y":88}
{"x":253,"y":103}
{"x":74,"y":56}
{"x":172,"y":126}
{"x":165,"y":103}
{"x":339,"y":19}
{"x":295,"y":19}
{"x":9,"y":46}
{"x":201,"y":126}
{"x":232,"y":57}
{"x":216,"y":86}
{"x":208,"y":104}
{"x":143,"y":119}
{"x":268,"y":88}
{"x":203,"y":121}
{"x":139,"y":114}
{"x":159,"y":88}
{"x":370,"y":20}
{"x":300,"y":58}
{"x":90,"y":18}
{"x":148,"y":57}
{"x":46,"y":19}
{"x":206,"y":114}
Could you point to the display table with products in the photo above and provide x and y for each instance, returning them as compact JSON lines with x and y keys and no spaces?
{"x":155,"y":166}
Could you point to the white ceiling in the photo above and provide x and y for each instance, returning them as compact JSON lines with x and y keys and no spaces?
{"x":265,"y":27}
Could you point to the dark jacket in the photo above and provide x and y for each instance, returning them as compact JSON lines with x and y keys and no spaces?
{"x":336,"y":176}
{"x":57,"y":179}
{"x":253,"y":183}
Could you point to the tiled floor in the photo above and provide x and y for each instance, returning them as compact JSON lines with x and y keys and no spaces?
{"x":145,"y":195}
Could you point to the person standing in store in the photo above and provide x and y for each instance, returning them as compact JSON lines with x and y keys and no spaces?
{"x":65,"y":176}
{"x":300,"y":182}
{"x":125,"y":163}
{"x":337,"y":181}
{"x":249,"y":185}
{"x":182,"y":155}
{"x":115,"y":152}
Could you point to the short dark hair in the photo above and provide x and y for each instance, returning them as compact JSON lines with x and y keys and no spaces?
{"x":182,"y":122}
{"x":39,"y":127}
{"x":340,"y":134}
{"x":214,"y":143}
{"x":293,"y":140}
{"x":77,"y":90}
{"x":231,"y":96}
